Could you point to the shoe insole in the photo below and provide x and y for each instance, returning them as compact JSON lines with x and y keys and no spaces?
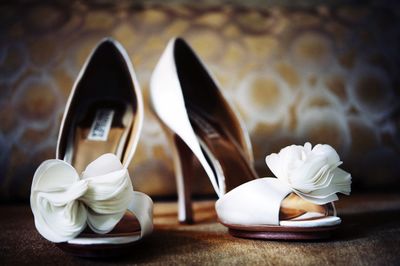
{"x":101,"y":129}
{"x":236,"y":168}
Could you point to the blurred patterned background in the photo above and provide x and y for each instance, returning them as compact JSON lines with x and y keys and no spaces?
{"x":324,"y":72}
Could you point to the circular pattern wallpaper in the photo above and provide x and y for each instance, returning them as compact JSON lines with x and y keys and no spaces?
{"x":320,"y":73}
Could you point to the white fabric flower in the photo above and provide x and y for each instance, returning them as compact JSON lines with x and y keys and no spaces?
{"x":313,"y":174}
{"x":63,"y":202}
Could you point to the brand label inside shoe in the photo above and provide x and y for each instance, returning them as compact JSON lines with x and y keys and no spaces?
{"x":101,"y":125}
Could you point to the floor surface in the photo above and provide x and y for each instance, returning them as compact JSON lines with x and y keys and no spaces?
{"x":369,"y":235}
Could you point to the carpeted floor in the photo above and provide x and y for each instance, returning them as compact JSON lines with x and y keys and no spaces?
{"x":369,"y":235}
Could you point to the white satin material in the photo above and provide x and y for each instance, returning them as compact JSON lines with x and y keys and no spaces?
{"x":312,"y":173}
{"x":258,"y":203}
{"x":63,"y":202}
{"x":142,"y":206}
{"x":254,"y":203}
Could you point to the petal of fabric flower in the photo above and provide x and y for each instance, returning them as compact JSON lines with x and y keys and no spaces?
{"x":105,"y":212}
{"x":305,"y":174}
{"x":276,"y":166}
{"x":105,"y":164}
{"x":340,"y":183}
{"x":342,"y":179}
{"x":103,"y":223}
{"x":328,"y":152}
{"x":109,"y":192}
{"x":58,"y":216}
{"x":290,"y":157}
{"x":319,"y":201}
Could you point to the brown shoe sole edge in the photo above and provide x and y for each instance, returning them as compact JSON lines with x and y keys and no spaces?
{"x":281,"y":232}
{"x":96,"y":251}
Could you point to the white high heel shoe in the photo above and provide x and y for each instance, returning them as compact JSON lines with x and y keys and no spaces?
{"x":204,"y":129}
{"x":83,"y":200}
{"x":187,"y":101}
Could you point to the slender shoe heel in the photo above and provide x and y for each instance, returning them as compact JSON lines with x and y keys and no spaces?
{"x":183,"y":175}
{"x":184,"y":179}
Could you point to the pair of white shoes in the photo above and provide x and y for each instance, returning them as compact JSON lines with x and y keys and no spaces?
{"x":84,"y":199}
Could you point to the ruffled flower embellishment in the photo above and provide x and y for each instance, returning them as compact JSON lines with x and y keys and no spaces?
{"x":312,"y":173}
{"x":63,"y":202}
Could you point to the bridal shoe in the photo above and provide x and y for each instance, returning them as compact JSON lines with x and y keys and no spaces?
{"x":297,"y":204}
{"x":200,"y":125}
{"x":84,"y":200}
{"x":205,"y":130}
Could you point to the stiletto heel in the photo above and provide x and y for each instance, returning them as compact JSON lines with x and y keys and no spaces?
{"x":183,"y":159}
{"x":204,"y":128}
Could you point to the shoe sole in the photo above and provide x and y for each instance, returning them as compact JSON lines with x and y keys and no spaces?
{"x":281,"y":232}
{"x":96,"y":251}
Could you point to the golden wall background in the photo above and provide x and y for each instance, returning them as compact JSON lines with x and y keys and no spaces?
{"x":318,"y":73}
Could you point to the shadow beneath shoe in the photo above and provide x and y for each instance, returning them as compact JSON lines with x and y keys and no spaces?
{"x":162,"y":246}
{"x":166,"y":214}
{"x":365,"y":224}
